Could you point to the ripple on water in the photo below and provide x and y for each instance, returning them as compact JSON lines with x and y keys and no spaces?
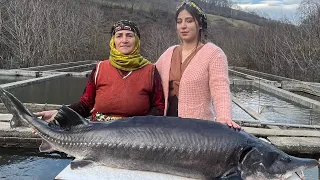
{"x":30,"y":167}
{"x":274,"y":108}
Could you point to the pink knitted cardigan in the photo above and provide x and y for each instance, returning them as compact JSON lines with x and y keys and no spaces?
{"x":204,"y":91}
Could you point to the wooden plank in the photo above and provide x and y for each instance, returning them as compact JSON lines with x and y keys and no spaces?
{"x":21,"y":132}
{"x":274,"y":127}
{"x":59,"y":64}
{"x":5,"y":117}
{"x":4,"y":126}
{"x":18,"y":137}
{"x":262,"y":132}
{"x":268,"y":123}
{"x":16,"y":142}
{"x":301,"y":145}
{"x":33,"y":107}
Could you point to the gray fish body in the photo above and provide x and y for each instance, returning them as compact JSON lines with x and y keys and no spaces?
{"x":196,"y":147}
{"x":179,"y":146}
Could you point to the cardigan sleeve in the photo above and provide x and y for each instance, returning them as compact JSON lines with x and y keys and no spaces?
{"x":163,"y":66}
{"x":219,"y":85}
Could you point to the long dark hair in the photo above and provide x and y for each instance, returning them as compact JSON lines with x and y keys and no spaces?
{"x":198,"y":14}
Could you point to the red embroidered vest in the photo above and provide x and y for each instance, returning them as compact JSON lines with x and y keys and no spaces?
{"x":123,"y":96}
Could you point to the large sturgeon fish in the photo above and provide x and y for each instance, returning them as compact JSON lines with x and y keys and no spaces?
{"x":184,"y":147}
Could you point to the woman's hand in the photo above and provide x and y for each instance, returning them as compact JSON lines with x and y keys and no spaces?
{"x":47,"y":115}
{"x":229,"y":122}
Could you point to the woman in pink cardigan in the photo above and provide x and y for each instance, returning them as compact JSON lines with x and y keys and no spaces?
{"x":195,"y":74}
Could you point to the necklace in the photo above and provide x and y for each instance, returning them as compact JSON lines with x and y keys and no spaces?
{"x":124,"y":76}
{"x":184,"y":57}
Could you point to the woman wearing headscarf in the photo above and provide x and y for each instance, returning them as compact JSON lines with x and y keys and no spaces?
{"x":125,"y":85}
{"x":195,"y":73}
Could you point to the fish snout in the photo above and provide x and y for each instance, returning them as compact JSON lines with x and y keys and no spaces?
{"x":303,"y":163}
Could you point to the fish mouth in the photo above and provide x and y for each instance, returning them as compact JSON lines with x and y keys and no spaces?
{"x":292,"y":175}
{"x":298,"y":174}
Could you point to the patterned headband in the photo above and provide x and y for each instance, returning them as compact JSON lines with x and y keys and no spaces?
{"x":202,"y":15}
{"x":125,"y":25}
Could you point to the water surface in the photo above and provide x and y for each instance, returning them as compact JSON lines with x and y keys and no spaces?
{"x":275,"y":108}
{"x":16,"y":165}
{"x":9,"y":79}
{"x":64,"y":90}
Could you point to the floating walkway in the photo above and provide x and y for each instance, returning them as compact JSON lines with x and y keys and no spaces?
{"x":295,"y":139}
{"x":70,"y":68}
{"x":278,"y":81}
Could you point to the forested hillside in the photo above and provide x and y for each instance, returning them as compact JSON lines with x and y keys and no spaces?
{"x":38,"y":32}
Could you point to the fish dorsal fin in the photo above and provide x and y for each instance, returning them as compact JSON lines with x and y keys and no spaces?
{"x":71,"y":117}
{"x":46,"y":147}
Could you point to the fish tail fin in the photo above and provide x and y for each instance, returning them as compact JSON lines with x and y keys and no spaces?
{"x":16,"y":108}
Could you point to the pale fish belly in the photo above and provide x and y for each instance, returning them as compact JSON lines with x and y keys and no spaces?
{"x":294,"y":176}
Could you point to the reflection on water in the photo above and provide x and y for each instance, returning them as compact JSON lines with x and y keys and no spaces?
{"x":240,"y":114}
{"x":9,"y":79}
{"x":30,"y":166}
{"x":274,"y":108}
{"x":64,"y":90}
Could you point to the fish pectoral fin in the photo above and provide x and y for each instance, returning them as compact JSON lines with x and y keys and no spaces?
{"x":232,"y":174}
{"x":231,"y":177}
{"x":80,"y":163}
{"x":46,"y":147}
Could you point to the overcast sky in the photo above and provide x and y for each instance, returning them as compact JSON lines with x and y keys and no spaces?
{"x":276,"y":9}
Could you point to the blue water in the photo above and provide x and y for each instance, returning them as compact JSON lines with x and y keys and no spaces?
{"x":30,"y":166}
